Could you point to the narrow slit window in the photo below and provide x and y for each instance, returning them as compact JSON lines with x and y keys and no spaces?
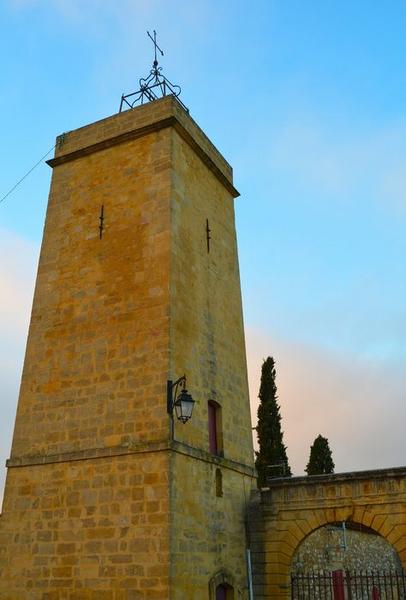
{"x":219,"y":483}
{"x":101,"y":221}
{"x":208,"y":235}
{"x":215,"y":428}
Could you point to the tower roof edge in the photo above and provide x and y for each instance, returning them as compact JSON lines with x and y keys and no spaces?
{"x":137,"y":122}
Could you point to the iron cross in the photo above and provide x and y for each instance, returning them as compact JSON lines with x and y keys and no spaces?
{"x":155,"y":46}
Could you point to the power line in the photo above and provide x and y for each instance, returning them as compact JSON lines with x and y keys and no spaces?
{"x":26,"y":175}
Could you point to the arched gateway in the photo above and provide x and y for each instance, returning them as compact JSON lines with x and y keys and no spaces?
{"x":283,"y":515}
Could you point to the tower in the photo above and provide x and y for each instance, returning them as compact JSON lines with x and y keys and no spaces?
{"x":137,"y":284}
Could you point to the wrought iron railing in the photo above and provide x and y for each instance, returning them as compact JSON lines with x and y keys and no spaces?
{"x":152,"y":87}
{"x":346,"y":585}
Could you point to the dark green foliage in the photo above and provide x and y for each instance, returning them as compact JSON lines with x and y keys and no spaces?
{"x":320,"y":461}
{"x":272,"y":450}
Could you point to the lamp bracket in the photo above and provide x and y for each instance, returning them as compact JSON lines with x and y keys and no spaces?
{"x":172,"y":392}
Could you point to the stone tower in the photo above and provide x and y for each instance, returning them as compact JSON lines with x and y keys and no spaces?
{"x":137,"y":284}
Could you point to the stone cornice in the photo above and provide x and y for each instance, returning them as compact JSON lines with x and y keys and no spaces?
{"x":171,"y":121}
{"x":142,"y":448}
{"x":90,"y":453}
{"x":309,"y":480}
{"x":220,"y":461}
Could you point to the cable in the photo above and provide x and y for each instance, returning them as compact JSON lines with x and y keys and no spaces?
{"x":26,"y":175}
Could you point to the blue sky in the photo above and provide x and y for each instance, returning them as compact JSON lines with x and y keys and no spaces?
{"x":307,"y":101}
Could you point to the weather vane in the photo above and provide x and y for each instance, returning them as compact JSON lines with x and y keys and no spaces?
{"x":155,"y":86}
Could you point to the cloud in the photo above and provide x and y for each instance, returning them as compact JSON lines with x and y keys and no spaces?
{"x":357,"y":403}
{"x":17,"y":267}
{"x":75,"y":11}
{"x":17,"y":272}
{"x":344,"y":163}
{"x":79,"y":12}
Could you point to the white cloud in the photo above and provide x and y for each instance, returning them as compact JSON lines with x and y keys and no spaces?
{"x":90,"y":11}
{"x":17,"y":274}
{"x":17,"y":267}
{"x":344,"y":162}
{"x":358,"y":404}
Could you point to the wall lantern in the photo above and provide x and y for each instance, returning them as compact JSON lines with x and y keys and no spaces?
{"x":182,"y":403}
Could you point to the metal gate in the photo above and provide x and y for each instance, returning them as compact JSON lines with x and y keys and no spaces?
{"x":346,"y":585}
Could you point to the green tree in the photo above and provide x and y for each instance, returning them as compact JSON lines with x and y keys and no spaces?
{"x":271,"y":459}
{"x":320,"y":461}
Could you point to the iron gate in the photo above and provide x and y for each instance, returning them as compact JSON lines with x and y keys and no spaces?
{"x":346,"y":585}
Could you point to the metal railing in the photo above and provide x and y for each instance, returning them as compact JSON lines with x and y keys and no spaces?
{"x":346,"y":585}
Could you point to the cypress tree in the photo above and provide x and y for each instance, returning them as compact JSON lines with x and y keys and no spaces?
{"x":320,"y":461}
{"x":271,"y":459}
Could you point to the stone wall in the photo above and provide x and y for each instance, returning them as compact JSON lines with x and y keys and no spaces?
{"x":282,"y":516}
{"x":87,"y":530}
{"x":325,"y":550}
{"x":207,"y":342}
{"x":96,"y":363}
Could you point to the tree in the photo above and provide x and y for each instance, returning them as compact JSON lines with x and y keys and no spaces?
{"x":320,"y":461}
{"x":271,"y":459}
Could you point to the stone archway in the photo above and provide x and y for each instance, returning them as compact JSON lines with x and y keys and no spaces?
{"x":349,"y":546}
{"x":286,"y":513}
